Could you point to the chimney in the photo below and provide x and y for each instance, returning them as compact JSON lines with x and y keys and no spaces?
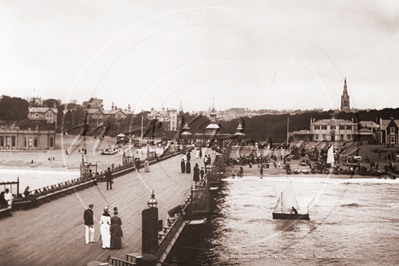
{"x":112,"y":108}
{"x":128,"y":107}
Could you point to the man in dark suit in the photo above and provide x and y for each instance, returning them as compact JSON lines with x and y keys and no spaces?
{"x":108,"y":178}
{"x":138,"y":164}
{"x":89,"y":224}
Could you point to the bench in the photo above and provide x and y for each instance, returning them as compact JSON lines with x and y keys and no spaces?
{"x":23,"y":204}
{"x":120,"y":262}
{"x":5,"y":212}
{"x":62,"y":191}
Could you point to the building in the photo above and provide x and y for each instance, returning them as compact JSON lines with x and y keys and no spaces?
{"x":43,"y":114}
{"x":12,"y":138}
{"x":168,"y":118}
{"x":388,"y":133}
{"x":212,"y":136}
{"x":345,"y":103}
{"x":335,"y":130}
{"x":99,"y":116}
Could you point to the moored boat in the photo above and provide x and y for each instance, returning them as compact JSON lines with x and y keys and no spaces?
{"x":107,"y":152}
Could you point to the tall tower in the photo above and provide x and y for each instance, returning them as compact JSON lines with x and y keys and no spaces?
{"x":213,"y":127}
{"x":345,"y":106}
{"x":180,"y":108}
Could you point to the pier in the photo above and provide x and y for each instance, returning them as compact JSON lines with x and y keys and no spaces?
{"x":53,"y":234}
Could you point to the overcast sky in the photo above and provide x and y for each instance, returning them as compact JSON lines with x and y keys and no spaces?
{"x":254,"y":54}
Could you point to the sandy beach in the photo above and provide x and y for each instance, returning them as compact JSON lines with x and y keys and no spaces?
{"x":54,"y":166}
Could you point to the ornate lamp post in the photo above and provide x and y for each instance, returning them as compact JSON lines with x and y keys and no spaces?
{"x":152,"y":202}
{"x":149,"y":226}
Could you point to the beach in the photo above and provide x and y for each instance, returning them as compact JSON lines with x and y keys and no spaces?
{"x":54,"y":166}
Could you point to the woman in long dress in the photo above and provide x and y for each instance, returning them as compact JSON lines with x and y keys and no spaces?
{"x":183,"y":166}
{"x":188,"y":167}
{"x":116,"y":231}
{"x":196,"y":173}
{"x":105,"y":222}
{"x":146,"y":166}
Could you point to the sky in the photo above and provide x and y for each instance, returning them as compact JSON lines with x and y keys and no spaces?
{"x":256,"y":54}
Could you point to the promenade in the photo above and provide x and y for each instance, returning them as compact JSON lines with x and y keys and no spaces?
{"x":53,"y":234}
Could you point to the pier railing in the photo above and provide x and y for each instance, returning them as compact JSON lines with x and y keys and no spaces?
{"x":48,"y":193}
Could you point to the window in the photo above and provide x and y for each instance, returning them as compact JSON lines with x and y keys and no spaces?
{"x":316,"y":127}
{"x":35,"y":142}
{"x":332,"y":127}
{"x":324,"y":136}
{"x":2,"y":141}
{"x":7,"y":141}
{"x":349,"y":136}
{"x":317,"y":136}
{"x":13,"y":141}
{"x":349,"y":127}
{"x":392,"y":129}
{"x":26,"y":141}
{"x":342,"y":127}
{"x":30,"y":142}
{"x":323,"y":127}
{"x":342,"y":137}
{"x":51,"y":142}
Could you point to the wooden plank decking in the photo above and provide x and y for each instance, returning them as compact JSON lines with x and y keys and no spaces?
{"x":53,"y":234}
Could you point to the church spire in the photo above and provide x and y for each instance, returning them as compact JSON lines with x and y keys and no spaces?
{"x":345,"y":88}
{"x":345,"y":103}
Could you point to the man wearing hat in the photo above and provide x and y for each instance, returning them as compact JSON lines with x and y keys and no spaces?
{"x":89,"y":224}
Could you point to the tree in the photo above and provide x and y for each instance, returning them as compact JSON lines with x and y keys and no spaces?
{"x":13,"y":109}
{"x":52,"y":103}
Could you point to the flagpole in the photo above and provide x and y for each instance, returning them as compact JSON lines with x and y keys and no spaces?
{"x":288,"y":127}
{"x":142,"y":114}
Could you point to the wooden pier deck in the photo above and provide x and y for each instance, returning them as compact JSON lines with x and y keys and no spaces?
{"x":53,"y":234}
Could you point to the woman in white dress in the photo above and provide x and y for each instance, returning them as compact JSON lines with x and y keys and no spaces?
{"x":105,"y":222}
{"x":146,"y":166}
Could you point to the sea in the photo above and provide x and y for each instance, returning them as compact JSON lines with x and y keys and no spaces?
{"x":355,"y":222}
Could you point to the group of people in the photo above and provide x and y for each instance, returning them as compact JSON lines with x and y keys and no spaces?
{"x":110,"y":228}
{"x":185,"y":165}
{"x":6,"y":199}
{"x":198,"y":173}
{"x":137,"y":164}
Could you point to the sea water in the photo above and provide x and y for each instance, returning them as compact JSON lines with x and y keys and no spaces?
{"x":356,"y":223}
{"x":35,"y":178}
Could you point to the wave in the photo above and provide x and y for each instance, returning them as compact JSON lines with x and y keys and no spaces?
{"x":350,"y":205}
{"x":369,"y":182}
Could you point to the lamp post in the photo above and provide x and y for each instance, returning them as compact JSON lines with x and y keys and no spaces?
{"x":149,"y":226}
{"x":152,"y":202}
